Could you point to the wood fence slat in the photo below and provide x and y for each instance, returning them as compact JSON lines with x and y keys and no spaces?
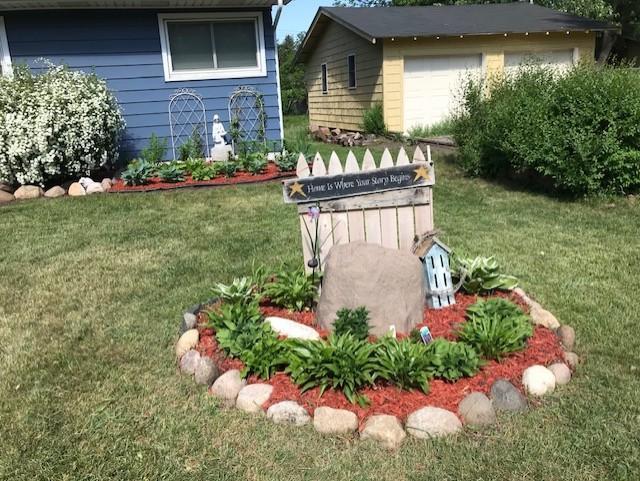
{"x":418,"y":155}
{"x":406,"y":227}
{"x":388,"y":216}
{"x":355,"y":216}
{"x":368,"y":163}
{"x":387,"y":160}
{"x":403,"y":158}
{"x":325,"y":236}
{"x":302,"y":169}
{"x":372,"y":228}
{"x":307,"y":252}
{"x":335,"y":167}
{"x":319,"y":168}
{"x":351,"y":165}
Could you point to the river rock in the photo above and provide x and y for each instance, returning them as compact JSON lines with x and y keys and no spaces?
{"x":542,"y":317}
{"x":388,"y":282}
{"x":76,"y":190}
{"x":384,"y":429}
{"x":251,"y":398}
{"x":572,"y":360}
{"x":206,"y":372}
{"x":506,"y":397}
{"x":227,"y":387}
{"x":94,"y":188}
{"x":28,"y":192}
{"x":6,"y":197}
{"x":292,"y":329}
{"x":189,"y":362}
{"x":567,"y":336}
{"x":538,"y":380}
{"x":562,"y":373}
{"x":327,"y":420}
{"x":106,"y":184}
{"x":4,"y":187}
{"x":432,"y":422}
{"x":189,"y":340}
{"x":55,"y":192}
{"x":288,"y":412}
{"x":476,"y":410}
{"x":189,"y":321}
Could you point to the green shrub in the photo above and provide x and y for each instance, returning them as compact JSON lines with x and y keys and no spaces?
{"x":354,"y":322}
{"x":424,"y":131}
{"x":205,"y":172}
{"x":240,"y":291}
{"x":287,"y":161}
{"x":236,"y":326}
{"x":342,"y":362}
{"x":266,"y":355}
{"x":580,"y":130}
{"x":191,"y":148}
{"x":291,"y":289}
{"x":495,"y":327}
{"x":451,"y":360}
{"x":254,"y":162}
{"x":404,"y":363}
{"x":138,"y":172}
{"x":154,"y":152}
{"x":373,"y":120}
{"x":299,"y":142}
{"x":228,"y":168}
{"x":170,"y":172}
{"x":481,"y":275}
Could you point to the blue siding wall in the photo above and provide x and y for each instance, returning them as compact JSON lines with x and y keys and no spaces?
{"x":123,"y":46}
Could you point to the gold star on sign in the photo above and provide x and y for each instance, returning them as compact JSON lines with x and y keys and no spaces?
{"x":296,"y":188}
{"x":421,"y":172}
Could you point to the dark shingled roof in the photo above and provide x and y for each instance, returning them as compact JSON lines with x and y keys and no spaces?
{"x":500,"y":18}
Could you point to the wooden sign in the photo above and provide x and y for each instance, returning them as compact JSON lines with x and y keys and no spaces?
{"x":312,"y":189}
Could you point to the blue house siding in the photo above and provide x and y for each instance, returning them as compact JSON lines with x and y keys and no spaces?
{"x":123,"y":47}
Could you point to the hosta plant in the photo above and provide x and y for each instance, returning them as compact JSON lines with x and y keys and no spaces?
{"x":451,"y":360}
{"x":352,"y":321}
{"x":204,"y":172}
{"x":254,"y":162}
{"x":171,"y":172}
{"x":404,"y":363}
{"x":481,"y":275}
{"x":240,"y":291}
{"x":291,"y":289}
{"x":236,"y":326}
{"x":287,"y":161}
{"x":495,"y":328}
{"x":228,"y":168}
{"x":138,"y":172}
{"x":341,"y":362}
{"x":266,"y":355}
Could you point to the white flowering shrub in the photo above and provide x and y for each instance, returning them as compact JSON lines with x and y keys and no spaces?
{"x":55,"y":125}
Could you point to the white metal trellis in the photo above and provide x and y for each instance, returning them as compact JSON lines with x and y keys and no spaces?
{"x":186,"y":115}
{"x":247,"y":116}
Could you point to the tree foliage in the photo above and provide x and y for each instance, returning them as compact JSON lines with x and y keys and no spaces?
{"x":294,"y":92}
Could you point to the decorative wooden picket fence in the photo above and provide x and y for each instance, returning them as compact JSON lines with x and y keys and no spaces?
{"x":389,"y":204}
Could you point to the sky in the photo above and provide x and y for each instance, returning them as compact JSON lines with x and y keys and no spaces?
{"x":297,"y":16}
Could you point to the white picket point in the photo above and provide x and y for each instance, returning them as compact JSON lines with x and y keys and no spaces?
{"x":403,"y":158}
{"x":352,"y":163}
{"x":335,"y":167}
{"x":368,"y":163}
{"x":430,"y":168}
{"x":318,"y":168}
{"x":302,"y":169}
{"x":387,"y":160}
{"x":418,"y":155}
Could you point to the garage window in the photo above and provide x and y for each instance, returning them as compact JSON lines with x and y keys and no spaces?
{"x":325,"y":80}
{"x":351,"y":66}
{"x":560,"y":61}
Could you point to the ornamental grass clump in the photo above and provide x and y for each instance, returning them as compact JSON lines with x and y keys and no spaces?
{"x":352,"y":321}
{"x":404,"y":363}
{"x":495,"y":328}
{"x":58,"y":124}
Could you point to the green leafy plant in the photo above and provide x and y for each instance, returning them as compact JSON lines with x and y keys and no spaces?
{"x":342,"y":362}
{"x":354,"y":322}
{"x":495,"y":327}
{"x":481,"y":275}
{"x":373,"y":120}
{"x":170,"y":172}
{"x":155,"y":150}
{"x":267,"y":353}
{"x":287,"y":161}
{"x":451,"y":360}
{"x":404,"y":363}
{"x":228,"y":168}
{"x":236,"y":326}
{"x":254,"y":162}
{"x":138,"y":172}
{"x":418,"y":132}
{"x":291,"y":289}
{"x":240,"y":291}
{"x":191,"y":148}
{"x":259,"y":277}
{"x":299,"y":142}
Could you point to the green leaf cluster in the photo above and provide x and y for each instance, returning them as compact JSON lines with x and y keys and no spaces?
{"x":170,"y":172}
{"x":254,"y":162}
{"x":291,"y":289}
{"x":155,"y":150}
{"x":373,"y":120}
{"x":481,"y":275}
{"x":495,"y":327}
{"x":240,"y":291}
{"x":228,"y":168}
{"x":354,"y":322}
{"x":451,"y":360}
{"x":138,"y":172}
{"x":404,"y":363}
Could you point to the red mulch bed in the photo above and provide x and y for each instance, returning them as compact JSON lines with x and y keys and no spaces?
{"x":270,"y":173}
{"x":542,"y":348}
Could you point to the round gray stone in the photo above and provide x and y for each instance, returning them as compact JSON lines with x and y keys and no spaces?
{"x":28,"y":192}
{"x":506,"y":397}
{"x":432,"y":422}
{"x":288,"y":412}
{"x":572,"y":360}
{"x":562,"y":373}
{"x":189,"y":362}
{"x":189,"y":321}
{"x":567,"y":337}
{"x":251,"y":398}
{"x":206,"y":372}
{"x":476,"y":410}
{"x":227,"y":387}
{"x":384,"y":429}
{"x":6,"y":197}
{"x":55,"y":192}
{"x":327,"y":420}
{"x":188,"y":340}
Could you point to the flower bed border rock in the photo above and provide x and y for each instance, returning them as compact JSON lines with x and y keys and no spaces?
{"x":475,"y":410}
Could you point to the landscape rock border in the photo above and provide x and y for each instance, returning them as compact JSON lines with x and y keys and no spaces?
{"x":476,"y":410}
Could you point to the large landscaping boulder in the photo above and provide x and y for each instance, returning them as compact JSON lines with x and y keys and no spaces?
{"x":388,"y":282}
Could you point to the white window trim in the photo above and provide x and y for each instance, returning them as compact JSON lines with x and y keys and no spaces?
{"x":324,"y":68}
{"x":355,"y":71}
{"x":222,"y":73}
{"x":5,"y":55}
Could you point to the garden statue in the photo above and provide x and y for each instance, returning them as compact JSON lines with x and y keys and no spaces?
{"x":221,"y":139}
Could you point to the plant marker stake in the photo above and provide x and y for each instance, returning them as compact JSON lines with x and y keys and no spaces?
{"x":425,"y":334}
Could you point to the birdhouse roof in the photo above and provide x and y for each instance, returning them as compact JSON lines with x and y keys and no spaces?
{"x":425,"y":244}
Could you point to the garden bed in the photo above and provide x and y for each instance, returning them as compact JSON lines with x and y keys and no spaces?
{"x":270,"y":173}
{"x":542,"y":348}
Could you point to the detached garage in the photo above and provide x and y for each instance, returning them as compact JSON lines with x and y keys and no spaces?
{"x":413,"y":60}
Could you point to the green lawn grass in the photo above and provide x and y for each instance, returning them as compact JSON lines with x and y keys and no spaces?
{"x":92,"y":290}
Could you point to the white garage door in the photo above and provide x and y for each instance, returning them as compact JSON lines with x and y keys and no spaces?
{"x":560,"y":60}
{"x":432,"y":85}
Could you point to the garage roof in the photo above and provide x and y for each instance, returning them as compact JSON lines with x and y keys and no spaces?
{"x":484,"y":19}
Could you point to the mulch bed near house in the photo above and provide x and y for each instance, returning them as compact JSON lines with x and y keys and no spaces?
{"x":271,"y":173}
{"x":542,"y":348}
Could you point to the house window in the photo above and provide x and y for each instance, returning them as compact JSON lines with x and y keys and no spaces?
{"x":199,"y":46}
{"x":5,"y":57}
{"x":351,"y":66}
{"x":325,"y":80}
